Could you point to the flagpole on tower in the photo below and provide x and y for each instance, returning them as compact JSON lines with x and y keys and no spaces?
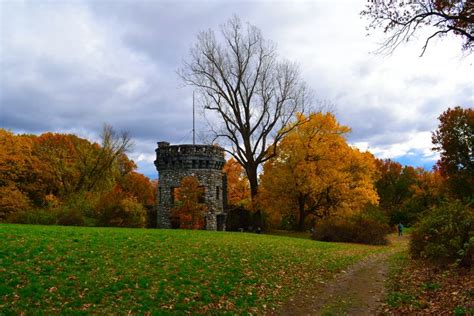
{"x":194,"y":131}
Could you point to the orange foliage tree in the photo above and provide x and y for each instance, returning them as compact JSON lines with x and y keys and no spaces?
{"x":139,"y":186}
{"x":188,"y":209}
{"x":238,"y":190}
{"x":19,"y":171}
{"x":12,"y":200}
{"x":317,"y":173}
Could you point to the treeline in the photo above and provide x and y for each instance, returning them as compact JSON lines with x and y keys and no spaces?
{"x":67,"y":180}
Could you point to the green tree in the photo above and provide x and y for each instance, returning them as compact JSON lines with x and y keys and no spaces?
{"x":454,"y":139}
{"x":394,"y":188}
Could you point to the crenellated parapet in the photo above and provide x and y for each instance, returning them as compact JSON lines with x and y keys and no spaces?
{"x":189,"y":157}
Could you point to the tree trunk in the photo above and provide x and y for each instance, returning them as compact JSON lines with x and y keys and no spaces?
{"x":253,"y":181}
{"x":302,"y":213}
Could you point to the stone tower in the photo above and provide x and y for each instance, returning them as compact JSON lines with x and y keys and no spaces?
{"x":205,"y":162}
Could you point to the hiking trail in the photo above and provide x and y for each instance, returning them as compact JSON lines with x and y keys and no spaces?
{"x":359,"y":290}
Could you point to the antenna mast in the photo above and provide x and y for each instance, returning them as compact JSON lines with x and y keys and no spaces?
{"x":194,"y":131}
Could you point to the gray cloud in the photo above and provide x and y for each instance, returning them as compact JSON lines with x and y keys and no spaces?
{"x":73,"y":66}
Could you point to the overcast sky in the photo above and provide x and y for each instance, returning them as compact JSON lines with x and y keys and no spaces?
{"x":70,"y":66}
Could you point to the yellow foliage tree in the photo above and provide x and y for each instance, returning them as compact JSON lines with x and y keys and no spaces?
{"x":317,"y":173}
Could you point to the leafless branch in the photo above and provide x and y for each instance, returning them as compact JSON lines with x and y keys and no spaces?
{"x":254,"y":95}
{"x":401,"y":19}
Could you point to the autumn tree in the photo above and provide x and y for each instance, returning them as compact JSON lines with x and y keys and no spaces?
{"x":12,"y":200}
{"x":393,"y":187}
{"x":188,"y":208}
{"x":139,"y":186}
{"x":406,"y":192}
{"x":16,"y":159}
{"x":317,"y":173}
{"x":19,"y":170}
{"x":119,"y":209}
{"x":253,"y":94}
{"x":63,"y":172}
{"x":238,"y":192}
{"x":454,"y":139}
{"x":60,"y":162}
{"x":402,"y":19}
{"x":109,"y":157}
{"x":71,"y":165}
{"x":427,"y":192}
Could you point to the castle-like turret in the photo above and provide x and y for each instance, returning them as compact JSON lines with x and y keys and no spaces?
{"x":205,"y":162}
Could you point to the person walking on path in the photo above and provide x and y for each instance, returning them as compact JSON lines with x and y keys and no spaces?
{"x":400,"y":229}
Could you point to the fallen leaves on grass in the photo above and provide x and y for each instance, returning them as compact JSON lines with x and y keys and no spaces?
{"x":418,"y":287}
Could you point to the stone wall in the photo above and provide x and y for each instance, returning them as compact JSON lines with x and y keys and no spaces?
{"x":205,"y":162}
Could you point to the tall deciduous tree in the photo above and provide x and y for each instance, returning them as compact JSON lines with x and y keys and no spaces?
{"x":252,"y":92}
{"x":454,"y":139}
{"x":401,"y":19}
{"x":317,"y":173}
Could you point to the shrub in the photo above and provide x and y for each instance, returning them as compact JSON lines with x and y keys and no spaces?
{"x":78,"y":210}
{"x":368,"y":227}
{"x":12,"y":200}
{"x":116,"y":209}
{"x":40,"y":216}
{"x":70,"y":217}
{"x":238,"y":218}
{"x":445,"y":234}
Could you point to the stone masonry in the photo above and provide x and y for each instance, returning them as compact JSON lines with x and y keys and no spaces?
{"x":205,"y":162}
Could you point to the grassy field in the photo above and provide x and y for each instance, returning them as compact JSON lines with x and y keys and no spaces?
{"x":105,"y":270}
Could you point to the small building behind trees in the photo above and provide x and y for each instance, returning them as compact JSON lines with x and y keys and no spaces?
{"x":205,"y":163}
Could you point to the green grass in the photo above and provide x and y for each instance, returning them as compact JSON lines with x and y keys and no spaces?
{"x":286,"y":233}
{"x":83,"y":270}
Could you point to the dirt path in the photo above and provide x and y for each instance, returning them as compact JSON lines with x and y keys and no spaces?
{"x":357,"y":291}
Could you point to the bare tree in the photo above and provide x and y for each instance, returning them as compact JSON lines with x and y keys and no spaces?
{"x":253,"y":94}
{"x":97,"y":166}
{"x":401,"y":19}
